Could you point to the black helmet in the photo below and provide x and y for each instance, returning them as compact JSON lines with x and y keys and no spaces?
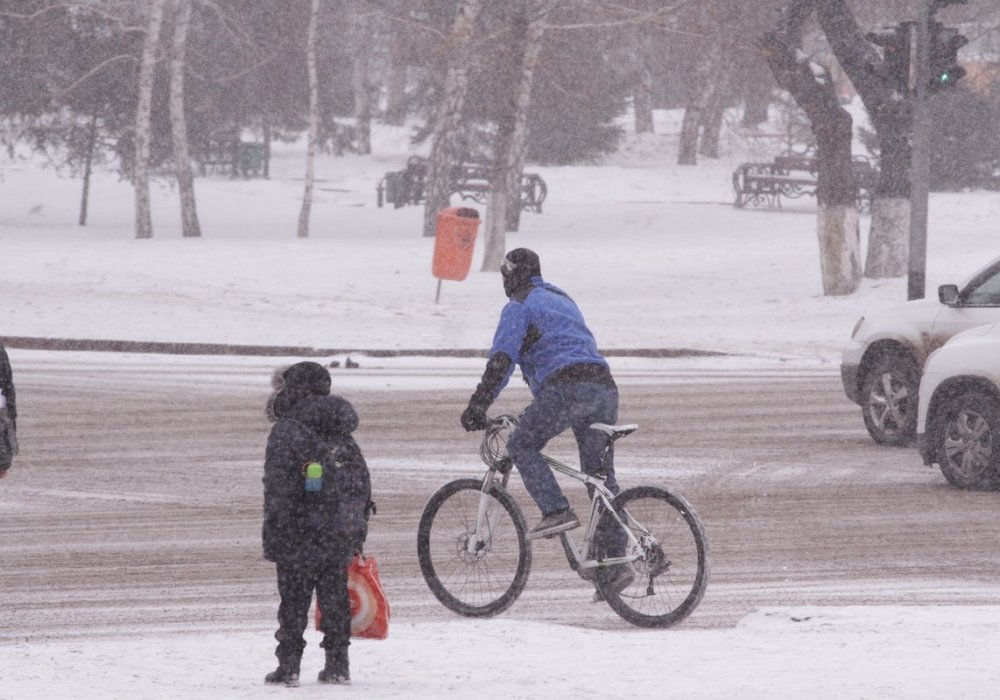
{"x":517,"y":268}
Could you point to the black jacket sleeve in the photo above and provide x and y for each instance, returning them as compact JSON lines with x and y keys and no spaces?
{"x":496,"y":369}
{"x":7,"y":386}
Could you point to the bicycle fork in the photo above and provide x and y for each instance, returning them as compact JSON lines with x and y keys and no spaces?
{"x":478,"y":539}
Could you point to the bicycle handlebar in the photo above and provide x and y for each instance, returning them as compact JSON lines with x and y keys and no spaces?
{"x":493,"y":447}
{"x":502,"y":420}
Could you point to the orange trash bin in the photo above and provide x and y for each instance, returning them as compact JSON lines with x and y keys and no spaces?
{"x":454,"y":240}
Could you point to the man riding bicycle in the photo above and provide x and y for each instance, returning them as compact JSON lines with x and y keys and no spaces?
{"x":542,"y":330}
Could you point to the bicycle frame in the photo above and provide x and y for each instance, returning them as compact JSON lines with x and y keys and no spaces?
{"x":601,"y":497}
{"x":579,"y":554}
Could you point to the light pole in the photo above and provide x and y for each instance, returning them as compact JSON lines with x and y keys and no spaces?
{"x":930,"y":36}
{"x":920,"y":167}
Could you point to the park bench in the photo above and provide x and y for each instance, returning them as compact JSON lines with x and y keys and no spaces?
{"x":794,"y":175}
{"x":230,"y":156}
{"x":468,"y":179}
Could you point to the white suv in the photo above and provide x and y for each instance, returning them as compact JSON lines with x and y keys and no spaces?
{"x":958,"y":424}
{"x":881,"y":364}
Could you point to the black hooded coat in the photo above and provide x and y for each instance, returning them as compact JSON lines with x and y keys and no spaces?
{"x":300,"y":529}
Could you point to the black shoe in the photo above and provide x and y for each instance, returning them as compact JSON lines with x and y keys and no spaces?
{"x":337,"y":669}
{"x":286,"y":674}
{"x":618,"y":584}
{"x":554,"y":523}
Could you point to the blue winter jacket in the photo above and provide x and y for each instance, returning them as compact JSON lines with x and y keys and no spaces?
{"x":543,"y":332}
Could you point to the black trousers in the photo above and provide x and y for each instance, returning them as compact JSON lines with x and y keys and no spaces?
{"x":296,"y":584}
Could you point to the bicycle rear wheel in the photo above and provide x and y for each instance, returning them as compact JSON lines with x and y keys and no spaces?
{"x":671,"y":571}
{"x":485,"y":578}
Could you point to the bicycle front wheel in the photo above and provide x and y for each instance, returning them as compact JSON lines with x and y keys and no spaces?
{"x":473,"y":574}
{"x":671,"y":560}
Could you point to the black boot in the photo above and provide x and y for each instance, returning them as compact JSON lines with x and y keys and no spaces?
{"x":337,"y":669}
{"x":287,"y":673}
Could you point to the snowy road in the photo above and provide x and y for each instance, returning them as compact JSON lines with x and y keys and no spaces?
{"x":136,"y":503}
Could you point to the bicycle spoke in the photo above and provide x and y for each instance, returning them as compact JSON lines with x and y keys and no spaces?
{"x":669,"y":557}
{"x":473,"y":574}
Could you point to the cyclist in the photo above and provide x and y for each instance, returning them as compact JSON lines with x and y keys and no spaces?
{"x":542,"y":330}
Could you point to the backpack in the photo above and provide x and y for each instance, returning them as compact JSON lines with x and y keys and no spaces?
{"x":338,"y":489}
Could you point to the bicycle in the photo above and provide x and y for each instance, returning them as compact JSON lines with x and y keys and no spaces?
{"x":475,"y":556}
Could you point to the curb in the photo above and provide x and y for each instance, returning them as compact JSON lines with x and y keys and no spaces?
{"x":85,"y":345}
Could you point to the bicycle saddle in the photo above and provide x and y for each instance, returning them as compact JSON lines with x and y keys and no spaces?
{"x":615,"y":431}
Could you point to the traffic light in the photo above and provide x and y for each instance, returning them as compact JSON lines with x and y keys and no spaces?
{"x":895,"y":43}
{"x":944,"y":45}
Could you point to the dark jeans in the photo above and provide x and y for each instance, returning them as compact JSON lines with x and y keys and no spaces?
{"x":295,"y":586}
{"x":556,"y":407}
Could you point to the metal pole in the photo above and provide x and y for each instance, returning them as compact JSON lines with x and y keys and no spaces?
{"x":921,"y":159}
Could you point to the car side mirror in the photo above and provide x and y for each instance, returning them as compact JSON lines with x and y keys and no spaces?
{"x":948,"y":294}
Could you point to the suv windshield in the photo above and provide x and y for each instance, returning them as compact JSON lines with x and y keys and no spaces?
{"x":984,"y":290}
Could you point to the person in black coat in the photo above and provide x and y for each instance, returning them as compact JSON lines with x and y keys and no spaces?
{"x":8,"y":414}
{"x":309,"y":552}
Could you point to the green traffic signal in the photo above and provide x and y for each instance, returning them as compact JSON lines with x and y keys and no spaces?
{"x":944,"y":45}
{"x":951,"y":76}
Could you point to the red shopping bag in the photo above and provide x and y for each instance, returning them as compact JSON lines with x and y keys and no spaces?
{"x":369,"y":606}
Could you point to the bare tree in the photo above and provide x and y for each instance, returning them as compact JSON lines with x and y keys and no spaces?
{"x":447,"y":125}
{"x":395,"y":84}
{"x":642,"y":80}
{"x":891,"y":115}
{"x":711,"y":126}
{"x":185,"y":179}
{"x":143,"y":126}
{"x":361,"y":37}
{"x":533,"y":41}
{"x":700,"y":97}
{"x":526,"y":31}
{"x":812,"y":87}
{"x":313,"y":138}
{"x":88,"y":166}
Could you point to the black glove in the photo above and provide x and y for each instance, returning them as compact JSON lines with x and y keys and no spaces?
{"x":474,"y":417}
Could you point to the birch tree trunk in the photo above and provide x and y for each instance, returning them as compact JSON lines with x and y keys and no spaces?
{"x":143,"y":125}
{"x":533,"y":43}
{"x":307,"y":195}
{"x":708,"y":144}
{"x":88,"y":164}
{"x":812,"y":87}
{"x":711,"y":126}
{"x":267,"y":149}
{"x":448,"y":124}
{"x":362,"y":39}
{"x":395,"y":87}
{"x":642,"y":86}
{"x":178,"y":123}
{"x":507,"y":88}
{"x":701,"y":91}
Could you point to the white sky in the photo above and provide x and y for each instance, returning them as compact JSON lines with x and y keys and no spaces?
{"x":656,"y":258}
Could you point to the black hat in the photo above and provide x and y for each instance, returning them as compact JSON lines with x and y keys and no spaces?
{"x":294,"y":383}
{"x":517,"y":268}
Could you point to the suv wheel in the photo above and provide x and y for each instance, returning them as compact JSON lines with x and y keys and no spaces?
{"x":967,"y":441}
{"x":889,"y":395}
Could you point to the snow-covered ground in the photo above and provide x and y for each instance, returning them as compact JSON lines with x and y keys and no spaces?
{"x":653,"y":252}
{"x":876,"y":653}
{"x":655,"y":256}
